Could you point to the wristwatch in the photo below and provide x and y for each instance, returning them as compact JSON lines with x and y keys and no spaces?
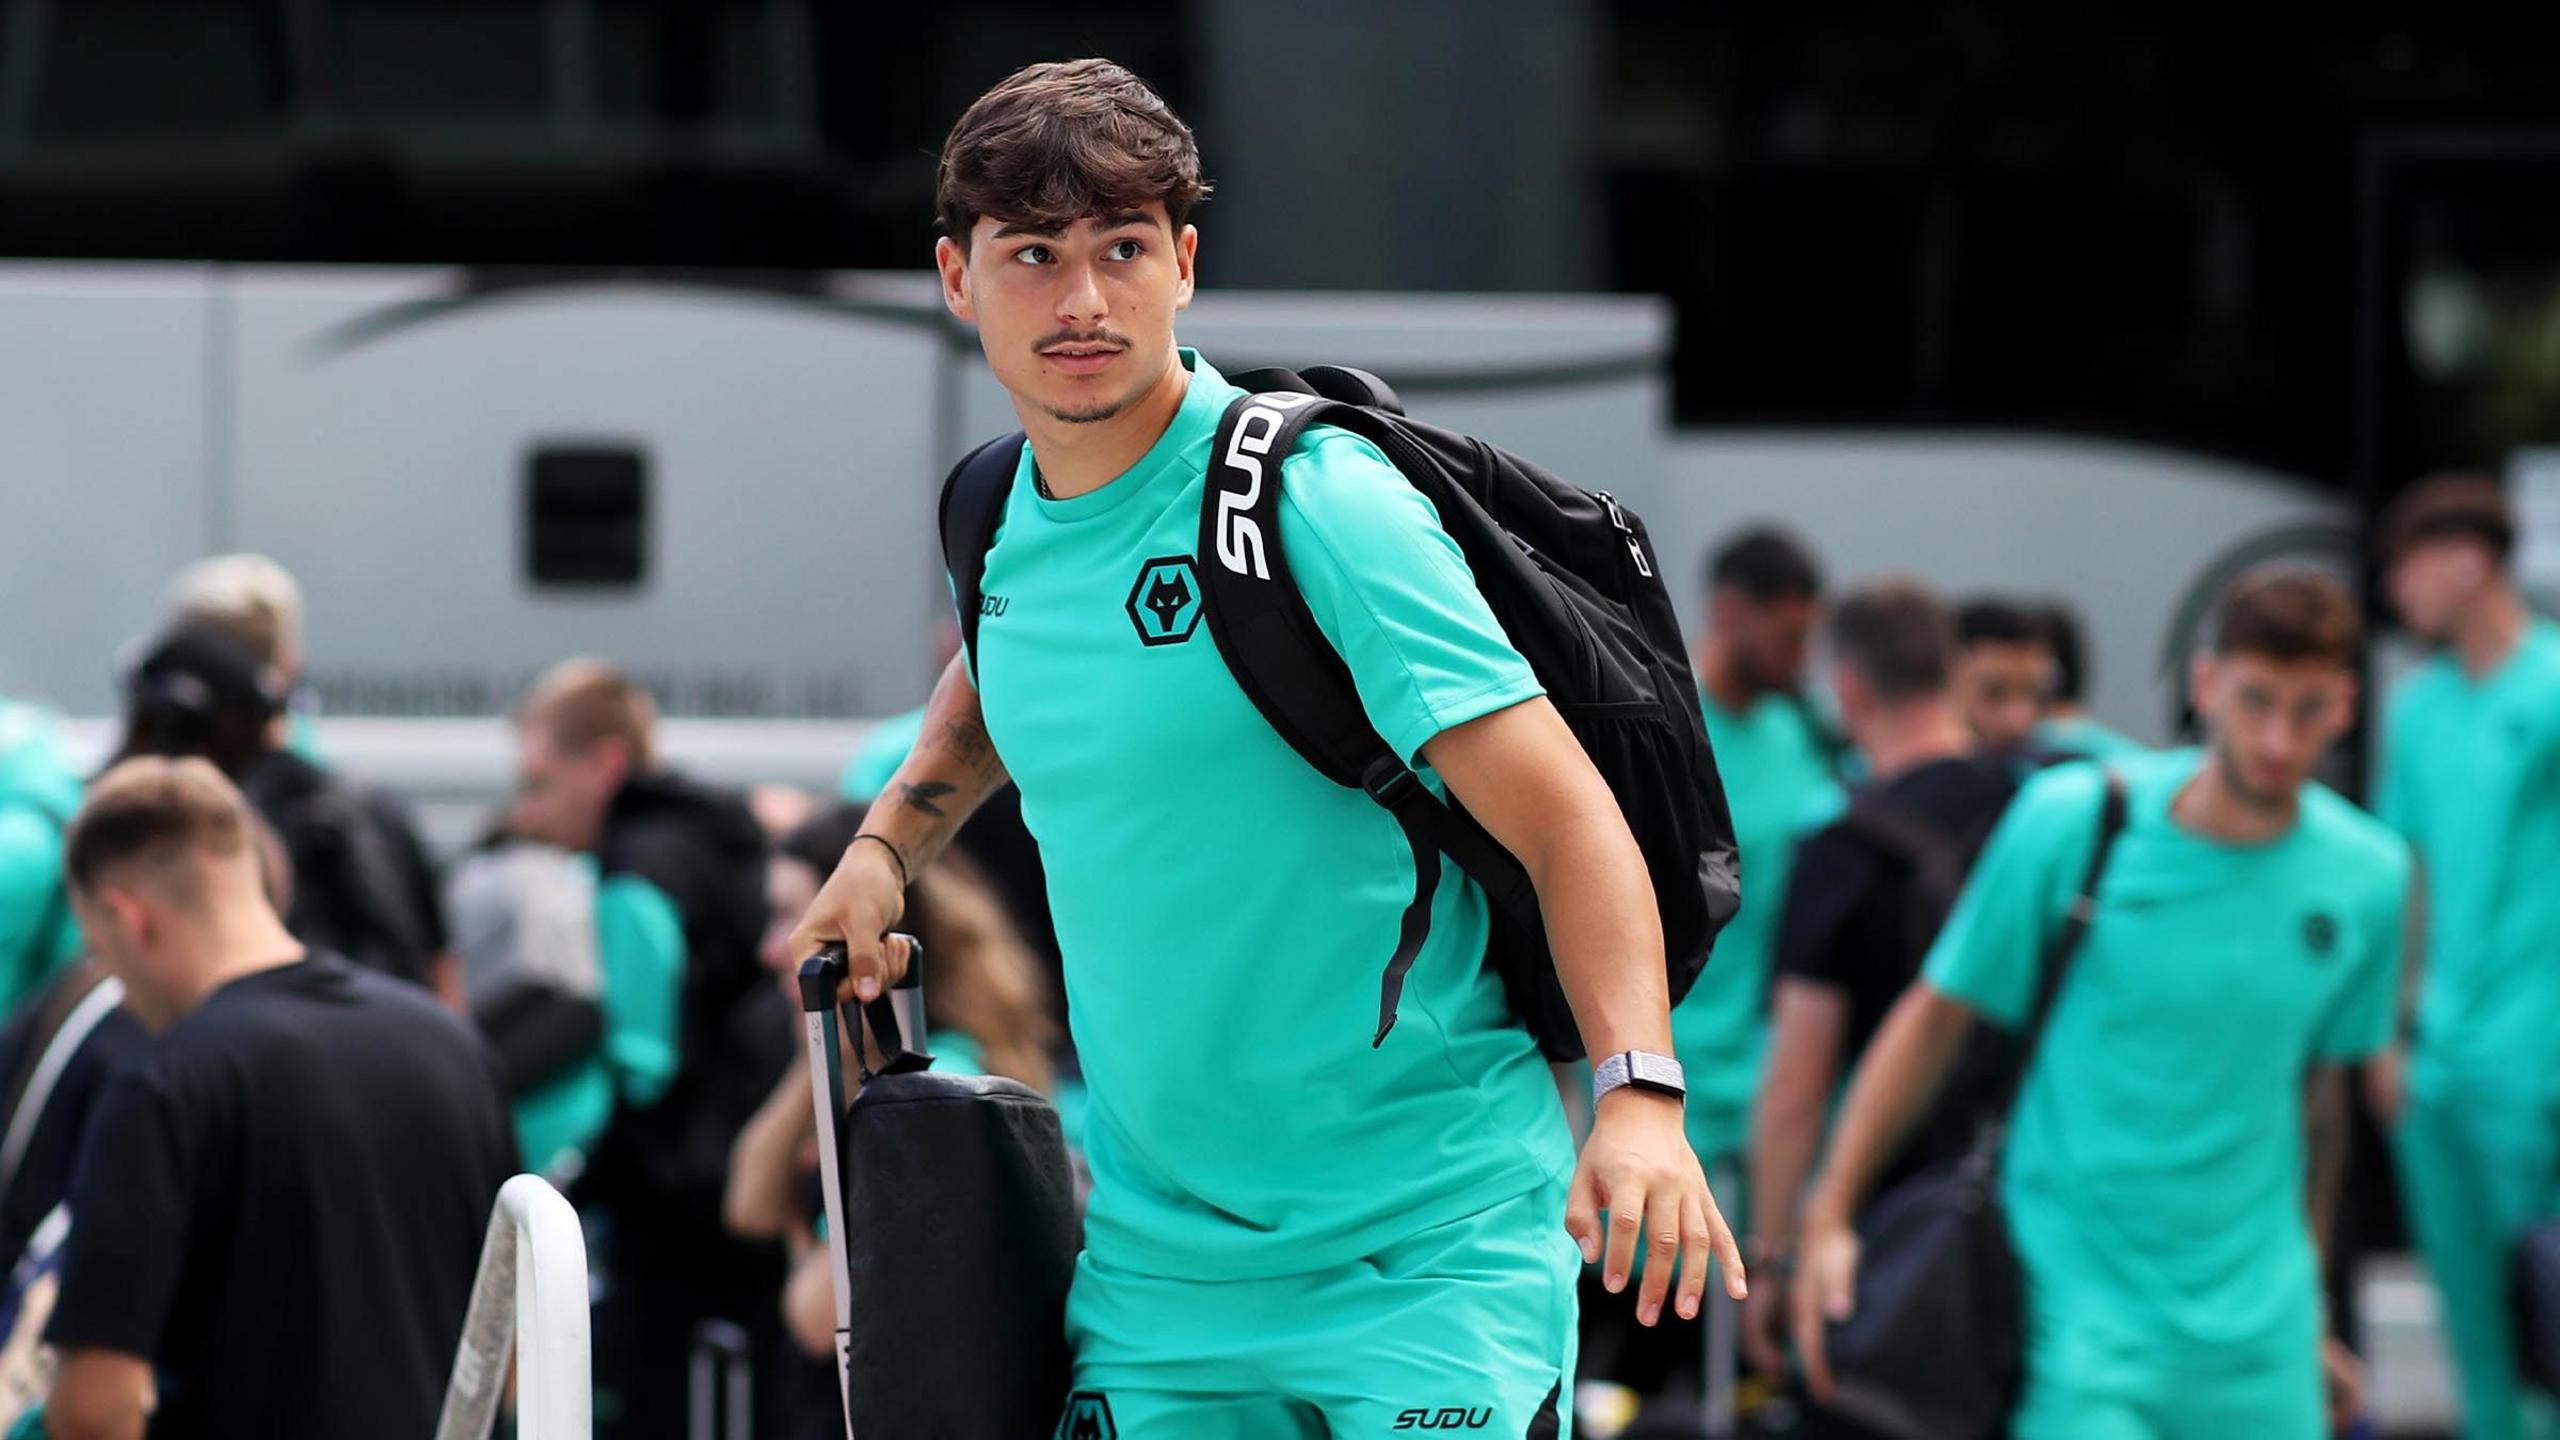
{"x":1642,"y":1069}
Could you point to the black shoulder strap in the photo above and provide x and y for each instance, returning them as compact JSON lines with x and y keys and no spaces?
{"x":2068,"y":937}
{"x":973,"y":499}
{"x":1286,"y":666}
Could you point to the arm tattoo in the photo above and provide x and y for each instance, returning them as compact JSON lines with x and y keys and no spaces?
{"x":922,"y":794}
{"x":971,"y":745}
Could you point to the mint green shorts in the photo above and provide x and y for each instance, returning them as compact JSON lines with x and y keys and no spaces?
{"x":1466,"y":1329}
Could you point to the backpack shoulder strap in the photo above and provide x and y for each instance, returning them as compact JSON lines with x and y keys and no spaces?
{"x":2068,"y":937}
{"x":973,"y":500}
{"x":1285,"y":664}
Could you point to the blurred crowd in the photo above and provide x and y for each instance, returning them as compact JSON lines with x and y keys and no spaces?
{"x":612,"y":956}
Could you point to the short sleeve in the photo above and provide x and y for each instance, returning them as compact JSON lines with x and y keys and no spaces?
{"x":133,"y":1200}
{"x":2361,"y":1019}
{"x":640,"y":946}
{"x":1824,"y":888}
{"x":1393,"y":593}
{"x":1992,"y":947}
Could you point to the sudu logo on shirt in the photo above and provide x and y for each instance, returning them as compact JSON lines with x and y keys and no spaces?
{"x":1165,"y":603}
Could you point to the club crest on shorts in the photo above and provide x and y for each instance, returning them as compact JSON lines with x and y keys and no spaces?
{"x":1088,"y":1417}
{"x":1165,"y":603}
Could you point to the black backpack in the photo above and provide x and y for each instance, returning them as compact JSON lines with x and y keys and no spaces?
{"x":1568,"y":573}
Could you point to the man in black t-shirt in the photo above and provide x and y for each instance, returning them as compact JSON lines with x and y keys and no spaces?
{"x":277,"y":1213}
{"x":1867,"y":895}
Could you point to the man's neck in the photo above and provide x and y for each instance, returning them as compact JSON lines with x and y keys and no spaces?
{"x":1901,"y":740}
{"x":2208,"y":806}
{"x":2490,"y":631}
{"x":1080,"y":458}
{"x":247,"y":948}
{"x":1722,"y":678}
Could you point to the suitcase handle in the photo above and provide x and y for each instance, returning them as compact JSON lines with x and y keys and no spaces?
{"x":822,"y":977}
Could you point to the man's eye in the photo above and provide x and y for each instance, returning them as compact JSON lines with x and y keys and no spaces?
{"x":1126,"y":250}
{"x":1032,"y":254}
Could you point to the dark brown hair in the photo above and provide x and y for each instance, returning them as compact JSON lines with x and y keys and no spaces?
{"x":1059,"y":141}
{"x":585,"y":701}
{"x":1897,"y":636}
{"x":2441,"y":507}
{"x":2289,"y":613}
{"x":154,"y":811}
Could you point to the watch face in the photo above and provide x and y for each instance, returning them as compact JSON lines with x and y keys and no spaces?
{"x":1660,"y":1070}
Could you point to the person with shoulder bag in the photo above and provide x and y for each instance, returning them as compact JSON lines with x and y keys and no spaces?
{"x":2170,"y":1161}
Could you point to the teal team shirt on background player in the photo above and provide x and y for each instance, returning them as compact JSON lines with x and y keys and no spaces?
{"x":1225,"y":914}
{"x":2471,"y":774}
{"x":2155,"y":1171}
{"x":39,"y":793}
{"x":1779,"y":783}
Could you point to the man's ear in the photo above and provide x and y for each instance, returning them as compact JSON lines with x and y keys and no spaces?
{"x":951,"y":258}
{"x":613,"y":757}
{"x":2202,"y":672}
{"x":132,"y":914}
{"x":1186,"y":256}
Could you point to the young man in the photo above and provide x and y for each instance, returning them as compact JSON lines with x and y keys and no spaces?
{"x":1293,"y":1231}
{"x":693,"y":1036}
{"x":2471,"y":774}
{"x":2245,"y":945}
{"x":1764,"y":598}
{"x":279,"y":1209}
{"x":2067,"y":727}
{"x":2002,"y":672}
{"x":1868,"y":893}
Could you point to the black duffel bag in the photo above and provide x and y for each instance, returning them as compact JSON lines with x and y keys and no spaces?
{"x":951,"y":1274}
{"x":1935,"y":1349}
{"x":2537,"y":1301}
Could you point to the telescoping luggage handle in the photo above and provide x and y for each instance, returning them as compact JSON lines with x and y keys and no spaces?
{"x":897,"y":1022}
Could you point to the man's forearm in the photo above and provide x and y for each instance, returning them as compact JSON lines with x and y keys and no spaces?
{"x":951,"y":771}
{"x":1605,"y":933}
{"x":1895,"y":1085}
{"x":1786,"y":1122}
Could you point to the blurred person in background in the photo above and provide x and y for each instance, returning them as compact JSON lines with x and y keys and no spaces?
{"x":694,"y":1039}
{"x":39,"y":790}
{"x":279,"y":1208}
{"x":1866,"y":898}
{"x":2003,"y":670}
{"x":200,"y":690}
{"x":1764,"y":600}
{"x":989,"y":1013}
{"x":256,"y":601}
{"x":571,"y":1037}
{"x":2066,"y":726}
{"x":2471,"y":774}
{"x":2173,"y":1154}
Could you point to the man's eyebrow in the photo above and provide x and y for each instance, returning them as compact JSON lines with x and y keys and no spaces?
{"x":1051,"y":230}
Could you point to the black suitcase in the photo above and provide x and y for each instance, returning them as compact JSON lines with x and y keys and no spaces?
{"x":951,"y":1280}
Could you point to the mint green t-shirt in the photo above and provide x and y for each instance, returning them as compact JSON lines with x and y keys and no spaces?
{"x":1225,"y":912}
{"x":2155,"y":1168}
{"x":2085,"y":737}
{"x":1778,"y":782}
{"x":2471,"y":774}
{"x":640,"y":950}
{"x":39,"y":793}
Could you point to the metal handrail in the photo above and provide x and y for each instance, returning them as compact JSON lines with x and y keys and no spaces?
{"x":531,"y":1294}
